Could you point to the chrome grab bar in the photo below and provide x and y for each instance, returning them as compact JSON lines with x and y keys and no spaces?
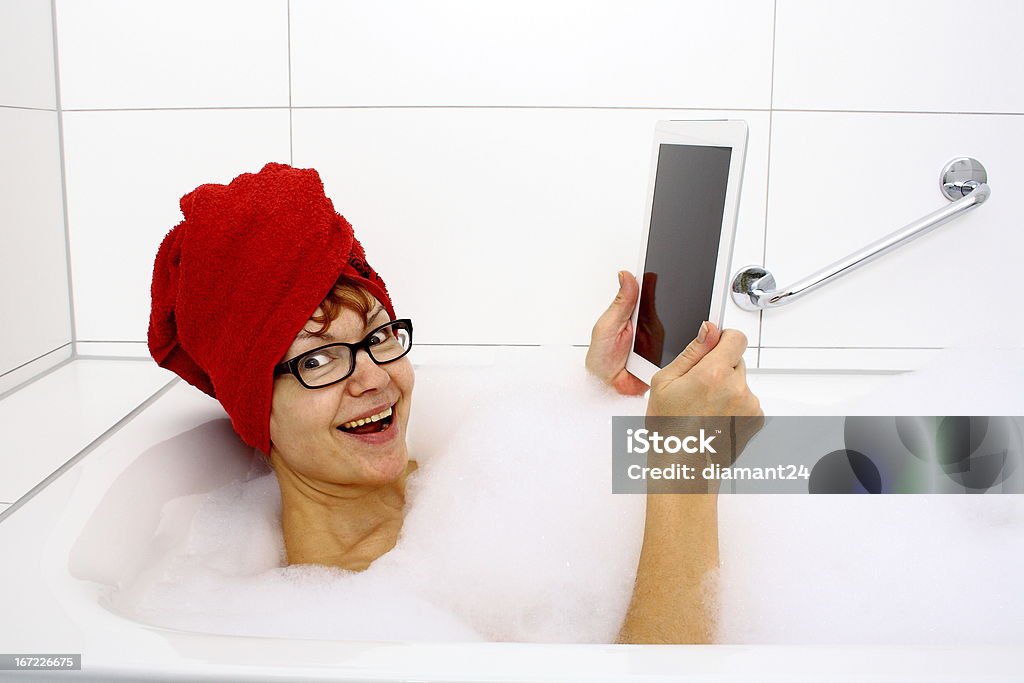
{"x":963,"y":179}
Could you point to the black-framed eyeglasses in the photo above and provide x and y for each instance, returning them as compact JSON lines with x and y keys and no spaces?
{"x":331,"y":363}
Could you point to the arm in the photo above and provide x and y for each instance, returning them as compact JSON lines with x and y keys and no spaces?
{"x":674,"y":596}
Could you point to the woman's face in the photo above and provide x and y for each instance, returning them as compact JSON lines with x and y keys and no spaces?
{"x":304,"y":423}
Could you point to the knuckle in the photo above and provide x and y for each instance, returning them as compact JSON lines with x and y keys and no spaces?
{"x":701,"y":373}
{"x":737,"y":335}
{"x":739,"y":400}
{"x":715,"y":374}
{"x":754,"y":406}
{"x":692,"y":356}
{"x":692,"y":349}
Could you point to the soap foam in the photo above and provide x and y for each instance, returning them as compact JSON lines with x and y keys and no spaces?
{"x":512,"y":534}
{"x":897,"y":569}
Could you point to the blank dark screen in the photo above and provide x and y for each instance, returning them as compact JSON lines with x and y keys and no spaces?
{"x":682,"y":249}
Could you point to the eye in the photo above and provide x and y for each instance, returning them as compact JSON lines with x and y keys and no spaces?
{"x":381,"y":336}
{"x":317,"y":360}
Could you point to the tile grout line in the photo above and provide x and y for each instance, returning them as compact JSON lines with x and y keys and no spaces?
{"x":63,"y":178}
{"x":291,"y":144}
{"x":768,"y":172}
{"x":100,"y":110}
{"x":97,"y":341}
{"x":408,"y":106}
{"x":540,"y":344}
{"x":17,"y":106}
{"x":33,"y":360}
{"x":922,"y":112}
{"x":825,"y":371}
{"x":859,"y":348}
{"x":96,"y":356}
{"x":38,"y":376}
{"x":901,"y":111}
{"x":93,"y":445}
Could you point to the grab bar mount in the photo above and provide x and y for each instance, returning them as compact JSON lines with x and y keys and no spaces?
{"x":963,"y":181}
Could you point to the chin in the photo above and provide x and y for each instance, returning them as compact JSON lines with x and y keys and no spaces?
{"x":388,"y":467}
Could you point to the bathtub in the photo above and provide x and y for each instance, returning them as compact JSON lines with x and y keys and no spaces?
{"x":67,"y":545}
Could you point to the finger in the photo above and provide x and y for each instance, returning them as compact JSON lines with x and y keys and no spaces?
{"x":627,"y":384}
{"x":621,"y":308}
{"x":737,"y":379}
{"x":714,"y":334}
{"x":701,"y":345}
{"x":739,"y":375}
{"x":730,"y":348}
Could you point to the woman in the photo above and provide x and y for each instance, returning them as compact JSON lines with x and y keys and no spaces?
{"x":263,"y":298}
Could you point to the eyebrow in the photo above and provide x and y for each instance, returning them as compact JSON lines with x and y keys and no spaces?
{"x":330,"y":337}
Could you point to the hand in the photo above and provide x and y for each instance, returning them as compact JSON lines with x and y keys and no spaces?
{"x":611,"y":338}
{"x":708,"y":378}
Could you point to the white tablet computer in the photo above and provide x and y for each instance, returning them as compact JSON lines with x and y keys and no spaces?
{"x":690,"y":223}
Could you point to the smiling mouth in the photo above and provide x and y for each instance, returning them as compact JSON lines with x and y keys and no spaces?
{"x":370,"y":425}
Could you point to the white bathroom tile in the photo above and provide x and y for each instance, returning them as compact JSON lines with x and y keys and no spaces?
{"x":187,"y":53}
{"x":424,"y":355}
{"x":4,"y":506}
{"x":33,"y":259}
{"x":505,"y":226}
{"x":126,"y":172}
{"x":26,"y":51}
{"x":841,"y":181}
{"x":914,"y":55}
{"x":651,"y":53}
{"x":49,"y":421}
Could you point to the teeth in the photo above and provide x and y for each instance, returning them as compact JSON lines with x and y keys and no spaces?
{"x":373,"y":418}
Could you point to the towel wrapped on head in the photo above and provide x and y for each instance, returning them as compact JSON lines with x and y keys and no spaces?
{"x":236,"y":280}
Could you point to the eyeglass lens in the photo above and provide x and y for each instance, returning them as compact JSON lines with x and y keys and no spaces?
{"x":333,"y":363}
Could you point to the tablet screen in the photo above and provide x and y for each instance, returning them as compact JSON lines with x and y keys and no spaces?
{"x":682,"y":248}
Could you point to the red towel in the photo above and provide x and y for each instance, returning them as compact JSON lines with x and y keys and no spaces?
{"x":236,"y":280}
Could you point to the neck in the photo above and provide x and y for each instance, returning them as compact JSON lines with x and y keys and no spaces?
{"x":339,"y":525}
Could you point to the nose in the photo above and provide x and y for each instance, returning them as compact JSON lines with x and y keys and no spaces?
{"x":367,"y":375}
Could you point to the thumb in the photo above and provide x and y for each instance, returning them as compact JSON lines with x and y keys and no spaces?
{"x":707,"y":338}
{"x":621,"y":308}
